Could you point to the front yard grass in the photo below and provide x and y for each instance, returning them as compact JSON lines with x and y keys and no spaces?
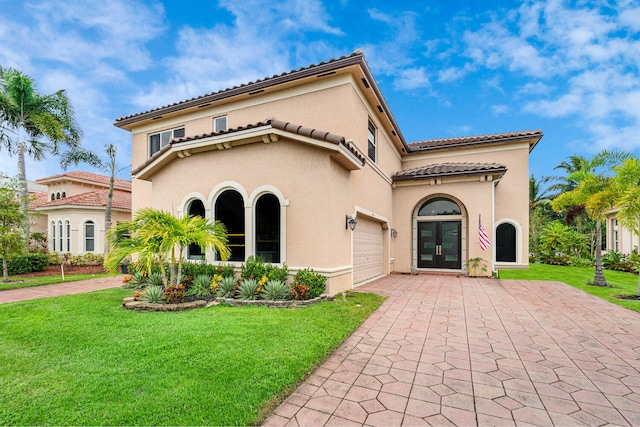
{"x":83,"y":360}
{"x":28,"y":282}
{"x":620,"y":283}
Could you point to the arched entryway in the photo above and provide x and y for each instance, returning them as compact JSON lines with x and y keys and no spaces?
{"x":439,"y":230}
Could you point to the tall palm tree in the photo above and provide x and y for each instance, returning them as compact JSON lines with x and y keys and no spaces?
{"x":627,"y":185}
{"x":595,"y":192}
{"x":33,"y":124}
{"x":154,"y":237}
{"x":106,"y":165}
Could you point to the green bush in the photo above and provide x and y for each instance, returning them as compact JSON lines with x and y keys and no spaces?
{"x":155,"y":279}
{"x":190,"y":270}
{"x":27,"y":263}
{"x":614,"y":260}
{"x":310,"y":279}
{"x":201,"y":286}
{"x":54,"y":258}
{"x":86,"y":259}
{"x":256,"y":268}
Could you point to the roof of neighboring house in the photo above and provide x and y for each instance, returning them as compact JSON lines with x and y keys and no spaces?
{"x":34,"y":187}
{"x":273,"y":123}
{"x":97,"y":198}
{"x":86,"y":177}
{"x":40,"y":199}
{"x":440,"y":170}
{"x":466,"y":141}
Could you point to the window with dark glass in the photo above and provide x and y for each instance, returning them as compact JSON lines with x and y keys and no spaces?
{"x":60,"y":235}
{"x":196,"y":208}
{"x":439,"y":206}
{"x":371,"y":142}
{"x":89,"y":236}
{"x":160,"y":139}
{"x":506,"y":243}
{"x":53,"y":235}
{"x":68,"y":227}
{"x":229,"y":210}
{"x":268,"y":228}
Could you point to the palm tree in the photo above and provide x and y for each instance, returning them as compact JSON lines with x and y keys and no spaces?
{"x":627,"y":185}
{"x":33,"y":124}
{"x":109,"y":165}
{"x":595,"y":192}
{"x":154,"y":237}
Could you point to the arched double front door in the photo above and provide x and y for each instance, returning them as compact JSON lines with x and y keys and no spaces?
{"x":439,"y":234}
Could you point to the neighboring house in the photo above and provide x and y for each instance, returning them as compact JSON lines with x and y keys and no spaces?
{"x":287,"y":162}
{"x":74,"y":208}
{"x":37,"y":195}
{"x":619,"y":238}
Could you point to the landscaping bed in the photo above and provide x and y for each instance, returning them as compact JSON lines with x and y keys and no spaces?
{"x":54,"y":270}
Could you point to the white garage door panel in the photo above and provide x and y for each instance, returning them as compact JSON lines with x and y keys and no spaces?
{"x":367,"y":250}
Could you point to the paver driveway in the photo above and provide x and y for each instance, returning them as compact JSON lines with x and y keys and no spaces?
{"x":445,"y":350}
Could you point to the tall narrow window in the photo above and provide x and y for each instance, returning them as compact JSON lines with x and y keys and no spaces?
{"x":371,"y":142}
{"x":229,"y":210}
{"x":68,"y":227}
{"x":220,"y":124}
{"x":268,"y":228}
{"x":506,"y":243}
{"x":196,"y":208}
{"x":60,"y":236}
{"x":89,"y":236}
{"x":53,"y":196}
{"x":53,"y":235}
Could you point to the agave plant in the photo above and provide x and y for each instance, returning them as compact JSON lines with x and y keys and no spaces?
{"x":155,"y":279}
{"x":248,"y":289}
{"x":137,"y":281}
{"x":276,"y":290}
{"x":201,"y":286}
{"x":227,"y":288}
{"x":153,"y":294}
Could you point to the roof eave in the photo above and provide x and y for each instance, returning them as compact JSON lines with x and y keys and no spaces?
{"x":495,"y":172}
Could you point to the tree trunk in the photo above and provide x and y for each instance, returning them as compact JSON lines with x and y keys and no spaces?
{"x":24,"y":195}
{"x":5,"y":269}
{"x":598,"y":279}
{"x":107,"y":212}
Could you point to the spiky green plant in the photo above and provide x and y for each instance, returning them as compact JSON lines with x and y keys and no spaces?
{"x":153,"y":294}
{"x":276,"y":290}
{"x":138,"y":281}
{"x":155,"y":279}
{"x":248,"y":289}
{"x":227,"y":288}
{"x":201,"y":287}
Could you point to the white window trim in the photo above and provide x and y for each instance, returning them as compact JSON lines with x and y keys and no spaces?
{"x":371,"y":124}
{"x":215,"y":121}
{"x":149,"y":135}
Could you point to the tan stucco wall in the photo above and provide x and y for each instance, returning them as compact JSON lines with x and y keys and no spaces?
{"x":628,"y":242}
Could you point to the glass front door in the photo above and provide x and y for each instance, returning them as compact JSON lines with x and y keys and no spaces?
{"x":439,"y":244}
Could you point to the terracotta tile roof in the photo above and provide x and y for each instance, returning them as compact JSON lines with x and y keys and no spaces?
{"x":465,"y":141}
{"x":440,"y":170}
{"x":87,"y":177}
{"x":273,"y":123}
{"x":98,"y":198}
{"x":40,"y":199}
{"x":243,"y":88}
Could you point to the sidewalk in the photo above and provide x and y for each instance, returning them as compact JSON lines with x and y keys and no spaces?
{"x":59,"y":289}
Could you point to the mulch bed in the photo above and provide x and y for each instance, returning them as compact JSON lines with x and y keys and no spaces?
{"x":628,"y":297}
{"x":54,"y":270}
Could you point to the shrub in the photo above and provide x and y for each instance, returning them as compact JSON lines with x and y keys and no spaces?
{"x":136,"y":280}
{"x":227,"y":288}
{"x":614,"y":260}
{"x":174,"y":294}
{"x":248,"y":289}
{"x":54,"y":258}
{"x":215,"y":283}
{"x":276,"y":290}
{"x":309,"y":278}
{"x":226,"y":270}
{"x":153,"y":295}
{"x":299,"y":291}
{"x":580,"y":262}
{"x":201,"y":286}
{"x":554,"y":258}
{"x":27,"y":263}
{"x":154,"y":279}
{"x":256,"y":268}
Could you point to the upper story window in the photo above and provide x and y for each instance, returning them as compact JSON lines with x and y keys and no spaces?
{"x":220,"y":124}
{"x":160,"y":139}
{"x":371,"y":142}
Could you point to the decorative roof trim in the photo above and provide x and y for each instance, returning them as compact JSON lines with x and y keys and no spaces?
{"x":441,"y":170}
{"x":467,"y":141}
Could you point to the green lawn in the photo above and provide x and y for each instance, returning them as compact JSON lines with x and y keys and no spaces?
{"x":83,"y":360}
{"x":28,"y":282}
{"x":621,"y":283}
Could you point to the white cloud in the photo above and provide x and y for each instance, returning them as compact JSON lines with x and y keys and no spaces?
{"x":412,"y":78}
{"x":499,"y":109}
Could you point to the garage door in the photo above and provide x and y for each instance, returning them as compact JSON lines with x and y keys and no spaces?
{"x":367,"y":250}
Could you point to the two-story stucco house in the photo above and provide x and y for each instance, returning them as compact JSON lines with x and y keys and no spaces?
{"x":74,"y":207}
{"x":311,"y":169}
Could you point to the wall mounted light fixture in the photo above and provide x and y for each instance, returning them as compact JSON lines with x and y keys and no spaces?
{"x":350,"y":222}
{"x":394,"y":232}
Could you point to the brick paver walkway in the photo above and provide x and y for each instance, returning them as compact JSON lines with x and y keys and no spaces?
{"x":59,"y":289}
{"x":459,"y":351}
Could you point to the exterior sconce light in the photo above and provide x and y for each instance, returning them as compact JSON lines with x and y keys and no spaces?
{"x":394,"y":232}
{"x":350,"y":222}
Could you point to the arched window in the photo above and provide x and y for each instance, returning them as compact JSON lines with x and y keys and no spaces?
{"x":53,"y":235}
{"x":60,"y":236}
{"x":196,"y":208}
{"x":64,"y":194}
{"x":53,"y":196}
{"x":268,"y":228}
{"x":57,"y":195}
{"x":506,"y":243}
{"x":89,"y":236}
{"x":68,"y":227}
{"x":229,"y":210}
{"x":439,"y":206}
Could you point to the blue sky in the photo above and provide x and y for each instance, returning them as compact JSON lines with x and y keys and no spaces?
{"x":446,"y":68}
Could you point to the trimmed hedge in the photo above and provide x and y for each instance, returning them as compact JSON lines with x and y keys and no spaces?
{"x":23,"y":264}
